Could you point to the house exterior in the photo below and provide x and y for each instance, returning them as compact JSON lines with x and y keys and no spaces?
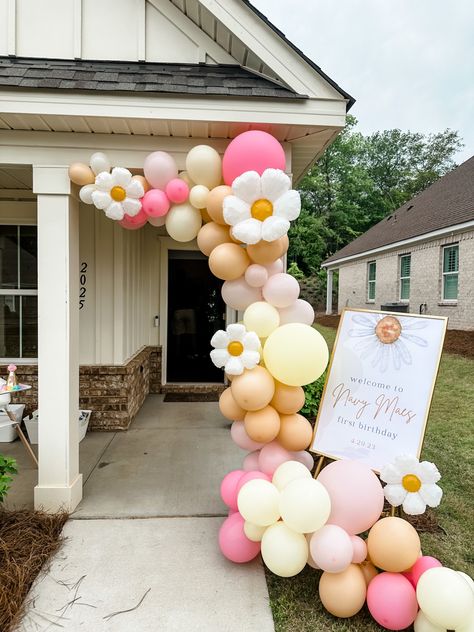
{"x":419,"y":259}
{"x":90,"y":310}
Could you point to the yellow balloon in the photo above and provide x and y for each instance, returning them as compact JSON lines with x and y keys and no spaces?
{"x":295,"y":354}
{"x":305,"y":505}
{"x":203,"y":165}
{"x":262,"y":318}
{"x":284,"y":551}
{"x":258,"y":502}
{"x":288,"y":472}
{"x":253,"y":531}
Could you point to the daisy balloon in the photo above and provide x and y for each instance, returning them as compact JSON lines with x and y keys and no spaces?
{"x":117,"y":193}
{"x":261,"y":207}
{"x":235,"y":349}
{"x":411,"y":484}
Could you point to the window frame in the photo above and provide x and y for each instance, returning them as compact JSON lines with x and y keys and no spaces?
{"x":404,"y":278}
{"x":19,"y":292}
{"x":371,"y":282}
{"x":445,"y":274}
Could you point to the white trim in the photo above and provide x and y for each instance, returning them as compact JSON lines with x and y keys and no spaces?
{"x":369,"y":280}
{"x":448,"y":301}
{"x":400,"y":278}
{"x":11,"y":32}
{"x":141,"y":30}
{"x":399,"y":244}
{"x":77,"y":8}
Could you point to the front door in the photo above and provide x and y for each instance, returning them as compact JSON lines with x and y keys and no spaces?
{"x":195,"y":311}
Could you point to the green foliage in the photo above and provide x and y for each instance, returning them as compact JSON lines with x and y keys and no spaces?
{"x":295,"y":271}
{"x":7,"y":470}
{"x":312,"y":396}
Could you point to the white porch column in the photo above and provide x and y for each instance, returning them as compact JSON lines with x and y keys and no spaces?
{"x":329,"y":291}
{"x":59,"y":482}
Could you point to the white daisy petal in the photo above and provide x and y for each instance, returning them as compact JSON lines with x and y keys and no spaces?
{"x":235,"y":210}
{"x":248,"y":231}
{"x":101,"y":199}
{"x":251,"y":341}
{"x":274,"y":227}
{"x":431,"y":494}
{"x":250,"y":359}
{"x":121,"y":177}
{"x":395,"y":494}
{"x":220,"y":339}
{"x":115,"y":211}
{"x":131,"y":207}
{"x":104,"y":181}
{"x":288,"y":205}
{"x":414,"y":505}
{"x":406,"y":463}
{"x":390,"y":474}
{"x":247,"y":187}
{"x":234,"y":365}
{"x":135,"y":189}
{"x":220,"y":357}
{"x":236,"y":332}
{"x":274,"y":183}
{"x":429,"y":473}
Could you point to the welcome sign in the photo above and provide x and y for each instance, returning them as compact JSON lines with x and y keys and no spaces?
{"x":380,"y":382}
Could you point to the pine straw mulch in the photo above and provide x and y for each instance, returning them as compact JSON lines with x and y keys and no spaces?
{"x":28,"y":539}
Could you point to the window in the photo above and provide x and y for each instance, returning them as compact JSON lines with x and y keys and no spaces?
{"x":405,"y":268}
{"x":371,"y":271}
{"x":18,"y":292}
{"x":450,"y":272}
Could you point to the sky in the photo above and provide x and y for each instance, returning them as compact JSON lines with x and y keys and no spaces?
{"x":408,"y":63}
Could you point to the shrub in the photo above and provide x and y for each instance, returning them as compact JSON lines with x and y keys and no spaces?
{"x":7,"y":470}
{"x":295,"y":271}
{"x":312,"y":393}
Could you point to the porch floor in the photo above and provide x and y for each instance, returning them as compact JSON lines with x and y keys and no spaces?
{"x":149,"y":520}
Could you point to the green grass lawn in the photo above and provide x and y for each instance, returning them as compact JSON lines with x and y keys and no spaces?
{"x":448,"y":443}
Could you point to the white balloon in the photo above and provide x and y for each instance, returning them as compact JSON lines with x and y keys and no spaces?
{"x":99,"y":162}
{"x":422,"y":624}
{"x":253,"y":531}
{"x":467,"y":578}
{"x":445,"y":597}
{"x":183,"y":222}
{"x":288,"y":472}
{"x":85,"y":193}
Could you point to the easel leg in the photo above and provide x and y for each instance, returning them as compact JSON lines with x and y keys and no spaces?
{"x":25,"y":442}
{"x":319,"y":467}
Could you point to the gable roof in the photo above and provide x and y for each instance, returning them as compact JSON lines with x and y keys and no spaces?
{"x":139,"y":77}
{"x":447,"y":202}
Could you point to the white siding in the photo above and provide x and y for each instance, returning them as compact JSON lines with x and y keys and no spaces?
{"x":44,"y":28}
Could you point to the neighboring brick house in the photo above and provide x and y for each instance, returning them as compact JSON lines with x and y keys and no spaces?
{"x":420,"y":258}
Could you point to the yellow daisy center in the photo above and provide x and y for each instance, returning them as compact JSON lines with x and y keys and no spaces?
{"x":118,"y":194}
{"x":388,"y":330}
{"x":261,"y":209}
{"x":411,"y":483}
{"x":235,"y":348}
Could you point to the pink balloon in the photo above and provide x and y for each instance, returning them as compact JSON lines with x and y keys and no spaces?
{"x":281,"y":290}
{"x":233,"y":542}
{"x":251,"y":476}
{"x":177,"y":191}
{"x":331,"y":548}
{"x":231,"y":511}
{"x":310,"y":561}
{"x":252,"y":151}
{"x":250,"y":463}
{"x":392,"y":601}
{"x":134,"y":223}
{"x":421,"y":565}
{"x":229,"y":488}
{"x":272,"y":456}
{"x":159,"y":168}
{"x":359,"y":549}
{"x":274,"y":268}
{"x":155,"y":203}
{"x":356,"y":495}
{"x":304,"y":457}
{"x":241,"y":438}
{"x":298,"y":312}
{"x":256,"y":275}
{"x":239,"y":295}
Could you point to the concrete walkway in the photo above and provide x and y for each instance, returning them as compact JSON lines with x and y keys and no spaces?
{"x":146,"y":533}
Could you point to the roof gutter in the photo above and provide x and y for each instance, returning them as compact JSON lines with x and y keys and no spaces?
{"x":400,"y":244}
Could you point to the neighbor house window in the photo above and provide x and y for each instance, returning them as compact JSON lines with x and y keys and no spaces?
{"x":405,"y":267}
{"x":371,"y":271}
{"x":450,"y":272}
{"x":18,"y":292}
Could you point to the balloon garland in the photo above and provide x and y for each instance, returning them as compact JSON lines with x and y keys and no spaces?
{"x":240,"y":210}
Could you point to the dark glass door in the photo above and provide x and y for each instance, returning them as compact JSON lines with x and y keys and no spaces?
{"x":195,"y":311}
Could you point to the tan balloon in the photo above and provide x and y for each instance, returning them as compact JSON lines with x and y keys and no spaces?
{"x":206,"y":218}
{"x":267,"y":252}
{"x":253,"y":389}
{"x":81,"y":174}
{"x":229,"y":407}
{"x":295,"y":432}
{"x":287,"y":399}
{"x":393,"y":544}
{"x":212,"y":235}
{"x":343,"y":594}
{"x":369,"y":571}
{"x":215,"y":199}
{"x":228,"y":262}
{"x":262,"y":425}
{"x":143,"y":181}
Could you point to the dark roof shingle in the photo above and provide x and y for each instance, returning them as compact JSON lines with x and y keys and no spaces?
{"x":447,"y":202}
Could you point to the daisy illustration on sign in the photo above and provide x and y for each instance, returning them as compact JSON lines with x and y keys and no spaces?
{"x":386,"y":338}
{"x":235,"y":349}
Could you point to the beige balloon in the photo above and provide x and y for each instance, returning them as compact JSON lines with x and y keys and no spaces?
{"x":369,"y":571}
{"x":343,"y":594}
{"x":205,"y":216}
{"x":295,"y":432}
{"x":284,"y":551}
{"x":198,"y":196}
{"x":215,"y":200}
{"x":229,"y":407}
{"x":288,"y":399}
{"x":183,"y":175}
{"x":262,"y":425}
{"x":228,"y":261}
{"x":253,"y":531}
{"x":212,"y":235}
{"x":143,"y":181}
{"x":183,"y":222}
{"x":267,"y":252}
{"x":81,"y":174}
{"x":253,"y":390}
{"x":203,"y":165}
{"x":393,"y":544}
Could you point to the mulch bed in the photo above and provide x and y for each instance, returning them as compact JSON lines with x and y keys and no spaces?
{"x":191,"y":397}
{"x":28,"y":539}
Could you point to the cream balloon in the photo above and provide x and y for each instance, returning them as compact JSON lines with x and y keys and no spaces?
{"x":423,"y":624}
{"x":183,"y":222}
{"x":288,"y":472}
{"x":445,"y":597}
{"x":305,"y":505}
{"x":253,"y":531}
{"x":99,"y":162}
{"x":81,"y":174}
{"x":284,"y":551}
{"x":262,"y":318}
{"x":157,"y":221}
{"x":204,"y":166}
{"x":258,"y":502}
{"x":183,"y":175}
{"x":198,"y":196}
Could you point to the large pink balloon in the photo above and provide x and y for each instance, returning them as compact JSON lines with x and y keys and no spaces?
{"x":392,"y":601}
{"x":135,"y":222}
{"x":233,"y":542}
{"x":298,"y":312}
{"x":159,"y":168}
{"x":331,"y":548}
{"x":250,"y":463}
{"x":252,"y":151}
{"x":155,"y":203}
{"x":239,"y":295}
{"x":251,"y":476}
{"x":356,"y":495}
{"x":241,"y":438}
{"x":272,"y":456}
{"x":281,"y":290}
{"x":422,"y":564}
{"x":229,"y":488}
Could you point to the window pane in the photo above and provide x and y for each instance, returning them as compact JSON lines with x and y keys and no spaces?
{"x":10,"y":326}
{"x":451,"y":259}
{"x":450,"y":286}
{"x":405,"y":289}
{"x":9,"y":257}
{"x":372,"y":271}
{"x":29,"y":326}
{"x":371,"y":290}
{"x":405,"y":262}
{"x":28,"y":258}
